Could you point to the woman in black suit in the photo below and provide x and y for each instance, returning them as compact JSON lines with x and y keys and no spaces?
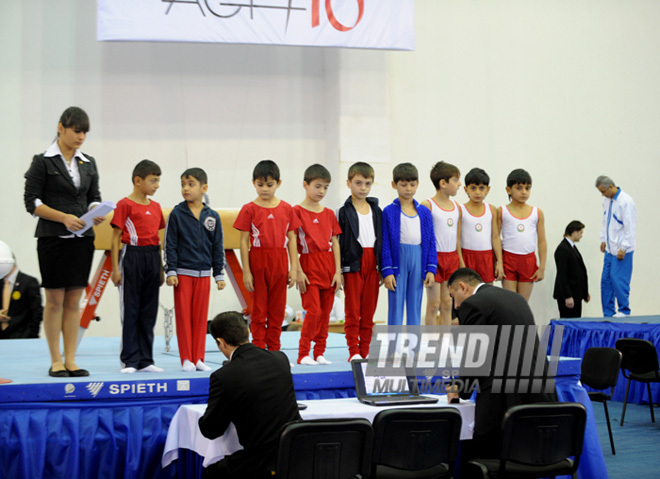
{"x":571,"y":283}
{"x":61,"y":185}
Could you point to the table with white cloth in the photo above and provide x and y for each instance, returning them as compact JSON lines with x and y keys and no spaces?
{"x":184,"y":432}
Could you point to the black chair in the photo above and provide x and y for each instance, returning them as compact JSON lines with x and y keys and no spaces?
{"x":538,"y":440}
{"x":600,"y":370}
{"x":325,"y":449}
{"x":639,"y":363}
{"x":420,"y":443}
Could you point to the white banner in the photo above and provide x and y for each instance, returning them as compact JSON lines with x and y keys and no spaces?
{"x":384,"y":24}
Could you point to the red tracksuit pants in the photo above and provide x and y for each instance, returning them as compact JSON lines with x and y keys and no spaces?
{"x":361,"y":292}
{"x":191,"y":309}
{"x":269,"y":267}
{"x":317,"y":302}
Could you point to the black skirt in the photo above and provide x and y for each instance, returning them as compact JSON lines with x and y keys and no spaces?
{"x":65,"y":262}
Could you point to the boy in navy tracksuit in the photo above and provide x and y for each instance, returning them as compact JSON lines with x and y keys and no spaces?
{"x":193,"y":244}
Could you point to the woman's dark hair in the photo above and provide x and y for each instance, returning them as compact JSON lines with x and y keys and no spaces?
{"x":572,"y":227}
{"x":76,"y":118}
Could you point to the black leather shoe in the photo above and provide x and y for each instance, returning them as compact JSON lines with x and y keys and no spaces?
{"x":58,"y":374}
{"x":77,"y":373}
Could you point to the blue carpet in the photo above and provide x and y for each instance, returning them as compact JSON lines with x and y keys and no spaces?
{"x":636,"y":442}
{"x":25,"y":362}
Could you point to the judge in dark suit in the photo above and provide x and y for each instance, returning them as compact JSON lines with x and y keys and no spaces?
{"x":254,"y":390}
{"x":61,"y":185}
{"x":21,"y":313}
{"x":571,"y":282}
{"x":481,"y":304}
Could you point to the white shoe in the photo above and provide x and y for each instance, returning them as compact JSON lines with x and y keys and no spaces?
{"x":620,"y":315}
{"x":188,"y":366}
{"x":322,"y":360}
{"x":200,"y":366}
{"x":355,"y":357}
{"x":152,"y":368}
{"x":128,"y":370}
{"x":307,"y":361}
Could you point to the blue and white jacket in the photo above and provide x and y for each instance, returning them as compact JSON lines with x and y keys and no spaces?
{"x":392,"y":239}
{"x":619,"y":223}
{"x":194,"y":246}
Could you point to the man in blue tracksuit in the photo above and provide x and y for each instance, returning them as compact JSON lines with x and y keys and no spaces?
{"x":617,"y":237}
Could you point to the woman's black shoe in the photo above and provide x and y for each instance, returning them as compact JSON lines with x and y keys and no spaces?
{"x":77,"y":373}
{"x":58,"y":374}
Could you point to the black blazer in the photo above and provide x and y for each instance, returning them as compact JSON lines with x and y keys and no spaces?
{"x":48,"y":180}
{"x":255,"y":392}
{"x":25,"y":309}
{"x":571,"y":280}
{"x":493,"y":306}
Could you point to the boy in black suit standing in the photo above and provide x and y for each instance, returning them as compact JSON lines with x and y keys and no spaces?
{"x":22,"y":312}
{"x":571,"y":282}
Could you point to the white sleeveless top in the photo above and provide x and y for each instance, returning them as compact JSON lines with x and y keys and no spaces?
{"x":367,"y":236}
{"x":519,"y":234}
{"x":445,"y":223}
{"x":477,"y":231}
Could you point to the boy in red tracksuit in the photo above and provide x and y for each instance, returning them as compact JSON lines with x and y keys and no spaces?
{"x":267,"y":227}
{"x":319,"y":276}
{"x":360,"y":244}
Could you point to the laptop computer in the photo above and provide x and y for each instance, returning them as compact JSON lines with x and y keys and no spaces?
{"x":386,"y":390}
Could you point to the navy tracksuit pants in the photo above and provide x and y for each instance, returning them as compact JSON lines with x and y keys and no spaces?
{"x":140,"y":268}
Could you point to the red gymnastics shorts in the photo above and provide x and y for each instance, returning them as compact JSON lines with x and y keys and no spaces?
{"x":519,"y":267}
{"x":483,"y":262}
{"x":447,"y":264}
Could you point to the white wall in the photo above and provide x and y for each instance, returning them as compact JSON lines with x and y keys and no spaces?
{"x":564,"y":89}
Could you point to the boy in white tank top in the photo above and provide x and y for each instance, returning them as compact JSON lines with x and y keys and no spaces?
{"x":523,"y":231}
{"x":481,"y":247}
{"x":447,"y":227}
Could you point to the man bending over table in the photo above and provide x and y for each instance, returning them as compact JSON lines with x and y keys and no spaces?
{"x":254,"y":390}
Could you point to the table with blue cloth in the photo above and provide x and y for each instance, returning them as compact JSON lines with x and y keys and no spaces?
{"x":569,"y":389}
{"x":582,"y":334}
